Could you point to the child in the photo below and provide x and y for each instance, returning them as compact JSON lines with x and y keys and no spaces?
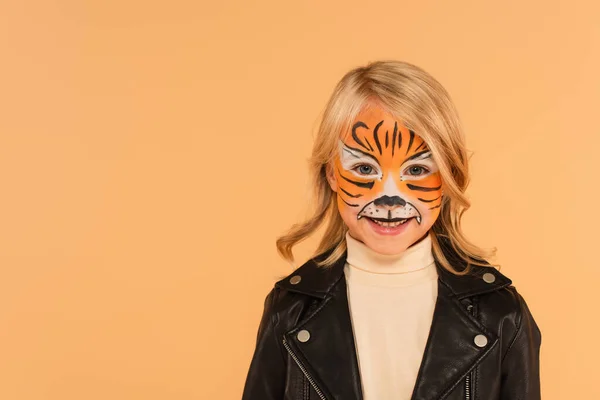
{"x":396,"y":303}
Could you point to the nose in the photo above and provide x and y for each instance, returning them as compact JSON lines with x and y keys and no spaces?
{"x":390,"y":201}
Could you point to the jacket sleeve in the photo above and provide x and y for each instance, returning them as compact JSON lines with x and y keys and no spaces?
{"x":266,"y":376}
{"x":521,"y":362}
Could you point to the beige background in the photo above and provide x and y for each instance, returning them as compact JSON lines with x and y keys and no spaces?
{"x":150,"y":153}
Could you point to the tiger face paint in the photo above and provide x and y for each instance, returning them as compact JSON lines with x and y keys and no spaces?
{"x":389,"y":190}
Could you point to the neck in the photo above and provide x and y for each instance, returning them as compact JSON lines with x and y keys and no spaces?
{"x":416,"y":257}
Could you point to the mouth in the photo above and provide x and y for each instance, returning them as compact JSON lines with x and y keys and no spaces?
{"x":393,"y":222}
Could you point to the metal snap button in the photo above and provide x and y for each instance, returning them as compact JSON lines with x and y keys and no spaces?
{"x":303,"y":336}
{"x":480,"y":341}
{"x":489,"y":277}
{"x":294,"y":280}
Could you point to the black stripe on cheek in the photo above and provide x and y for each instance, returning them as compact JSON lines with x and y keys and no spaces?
{"x":350,"y":194}
{"x":367,"y":185}
{"x":357,"y":125}
{"x":410,"y":141}
{"x":375,"y":135}
{"x":351,"y":205}
{"x":438,"y":206}
{"x":423,"y":188}
{"x":429,"y":201}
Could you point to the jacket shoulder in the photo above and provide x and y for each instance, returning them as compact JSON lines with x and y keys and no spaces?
{"x":312,"y":279}
{"x":503,"y":298}
{"x":507,"y":309}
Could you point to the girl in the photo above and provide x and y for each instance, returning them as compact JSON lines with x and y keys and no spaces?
{"x":396,"y":303}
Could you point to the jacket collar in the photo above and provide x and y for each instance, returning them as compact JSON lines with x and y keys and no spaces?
{"x":318,"y":281}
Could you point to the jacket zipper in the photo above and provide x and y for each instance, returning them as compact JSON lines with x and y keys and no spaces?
{"x":468,"y":394}
{"x":468,"y":387}
{"x":304,"y":371}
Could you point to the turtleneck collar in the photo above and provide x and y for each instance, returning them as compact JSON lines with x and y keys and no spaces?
{"x":416,"y":257}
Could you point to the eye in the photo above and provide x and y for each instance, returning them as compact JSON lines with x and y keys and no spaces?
{"x":417,"y":170}
{"x":364,"y":169}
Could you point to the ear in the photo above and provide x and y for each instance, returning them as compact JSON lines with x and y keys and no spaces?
{"x":329,"y":173}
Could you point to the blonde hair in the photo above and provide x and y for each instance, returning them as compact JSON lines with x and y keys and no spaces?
{"x":421,"y":102}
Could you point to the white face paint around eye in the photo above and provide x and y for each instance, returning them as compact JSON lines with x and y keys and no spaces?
{"x":418,"y":168}
{"x":353,"y":159}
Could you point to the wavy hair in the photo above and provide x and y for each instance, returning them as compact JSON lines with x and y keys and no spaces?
{"x":411,"y":94}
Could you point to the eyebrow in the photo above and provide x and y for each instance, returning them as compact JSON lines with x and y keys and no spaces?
{"x":346,"y":147}
{"x":420,"y":155}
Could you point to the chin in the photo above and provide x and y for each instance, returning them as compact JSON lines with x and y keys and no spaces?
{"x":386,"y":244}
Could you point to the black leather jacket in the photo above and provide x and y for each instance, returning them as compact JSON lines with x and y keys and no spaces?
{"x":305,"y":346}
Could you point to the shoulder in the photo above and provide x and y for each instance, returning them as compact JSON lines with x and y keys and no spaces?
{"x":293,"y":284}
{"x":492,"y":292}
{"x":507,"y":310}
{"x":299,"y":290}
{"x":313,"y":280}
{"x":492,"y":288}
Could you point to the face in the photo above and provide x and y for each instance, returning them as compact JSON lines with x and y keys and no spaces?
{"x":389,"y":189}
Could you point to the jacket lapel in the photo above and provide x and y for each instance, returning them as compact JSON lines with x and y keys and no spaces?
{"x":329,"y":354}
{"x":450,"y":352}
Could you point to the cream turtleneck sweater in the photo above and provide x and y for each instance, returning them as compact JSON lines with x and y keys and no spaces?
{"x":391,"y":300}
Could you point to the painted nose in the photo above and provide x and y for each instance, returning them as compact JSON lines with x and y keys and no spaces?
{"x":390,"y":201}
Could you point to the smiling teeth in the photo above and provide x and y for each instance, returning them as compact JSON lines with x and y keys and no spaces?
{"x":390,"y":224}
